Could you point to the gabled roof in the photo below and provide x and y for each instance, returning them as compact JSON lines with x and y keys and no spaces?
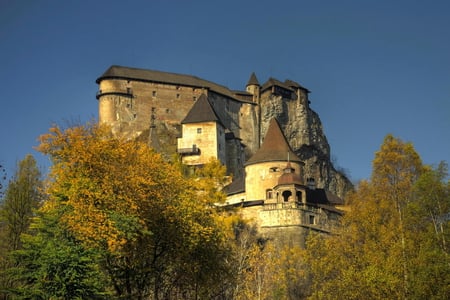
{"x":287,"y":84}
{"x":274,"y":147}
{"x":296,"y":85}
{"x":201,"y":111}
{"x":275,"y":82}
{"x":120,"y":72}
{"x":253,"y":80}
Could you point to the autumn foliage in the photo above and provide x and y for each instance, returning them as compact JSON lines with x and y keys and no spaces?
{"x":154,"y":227}
{"x":117,"y":221}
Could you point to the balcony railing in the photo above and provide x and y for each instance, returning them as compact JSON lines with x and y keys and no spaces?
{"x":189,"y":151}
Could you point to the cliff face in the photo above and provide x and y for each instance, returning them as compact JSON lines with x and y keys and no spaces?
{"x":304,"y":132}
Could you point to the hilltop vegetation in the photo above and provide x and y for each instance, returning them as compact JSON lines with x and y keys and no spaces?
{"x":116,"y":221}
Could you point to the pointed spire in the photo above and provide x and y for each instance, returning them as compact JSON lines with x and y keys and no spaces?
{"x":253,"y":80}
{"x":201,"y":111}
{"x":274,"y":147}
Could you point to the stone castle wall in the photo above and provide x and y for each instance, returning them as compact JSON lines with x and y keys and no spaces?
{"x":153,"y":111}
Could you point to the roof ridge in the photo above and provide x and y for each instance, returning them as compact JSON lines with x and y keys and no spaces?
{"x":202,"y":111}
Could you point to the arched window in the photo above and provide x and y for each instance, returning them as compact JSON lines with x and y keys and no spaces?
{"x":286,"y":195}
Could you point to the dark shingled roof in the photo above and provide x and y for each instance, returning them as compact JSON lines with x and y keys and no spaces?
{"x":274,"y":147}
{"x":119,"y":72}
{"x":294,"y":84}
{"x":235,"y":187}
{"x":275,"y":82}
{"x":253,"y":80}
{"x":323,"y":198}
{"x":287,"y":84}
{"x":201,"y":111}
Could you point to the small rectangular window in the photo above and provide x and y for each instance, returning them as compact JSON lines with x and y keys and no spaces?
{"x":199,"y":130}
{"x":312,"y":220}
{"x":154,"y":93}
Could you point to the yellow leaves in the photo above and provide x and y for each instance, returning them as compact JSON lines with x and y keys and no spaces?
{"x":117,"y":190}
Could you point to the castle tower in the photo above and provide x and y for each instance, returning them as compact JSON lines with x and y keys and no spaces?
{"x":203,"y":135}
{"x":253,"y":87}
{"x":264,"y":168}
{"x":116,"y":99}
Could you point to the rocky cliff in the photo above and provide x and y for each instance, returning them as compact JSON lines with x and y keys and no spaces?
{"x":304,"y":132}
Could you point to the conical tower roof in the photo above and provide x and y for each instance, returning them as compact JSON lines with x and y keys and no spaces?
{"x":274,"y":147}
{"x":253,"y":80}
{"x":201,"y":111}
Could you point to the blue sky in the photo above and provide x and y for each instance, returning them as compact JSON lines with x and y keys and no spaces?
{"x":373,"y":67}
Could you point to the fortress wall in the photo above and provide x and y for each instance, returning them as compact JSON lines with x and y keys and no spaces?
{"x":286,"y":235}
{"x":170,"y":103}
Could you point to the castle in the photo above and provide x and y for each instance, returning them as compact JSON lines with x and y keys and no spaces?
{"x":267,"y":136}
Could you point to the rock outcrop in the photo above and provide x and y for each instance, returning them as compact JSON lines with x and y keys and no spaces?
{"x":304,"y":132}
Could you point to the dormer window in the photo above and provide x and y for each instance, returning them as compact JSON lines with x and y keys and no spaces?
{"x":289,"y":170}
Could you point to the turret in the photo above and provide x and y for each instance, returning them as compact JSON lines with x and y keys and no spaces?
{"x":253,"y":87}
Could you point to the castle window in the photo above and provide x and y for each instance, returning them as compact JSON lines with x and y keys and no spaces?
{"x":312,"y":220}
{"x":194,"y":98}
{"x":286,"y":195}
{"x":299,"y":196}
{"x":178,"y":96}
{"x":199,"y":130}
{"x":167,"y":110}
{"x":274,"y":169}
{"x":269,"y":194}
{"x":154,"y":93}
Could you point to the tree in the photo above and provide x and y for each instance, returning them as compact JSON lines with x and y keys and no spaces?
{"x":157,"y":235}
{"x":396,"y":167}
{"x":22,"y":197}
{"x":53,"y":264}
{"x":2,"y":181}
{"x":387,"y":246}
{"x":428,"y":222}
